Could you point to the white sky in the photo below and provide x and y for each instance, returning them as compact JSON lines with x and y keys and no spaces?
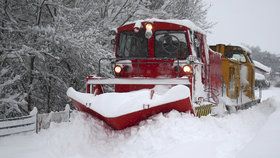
{"x":253,"y":22}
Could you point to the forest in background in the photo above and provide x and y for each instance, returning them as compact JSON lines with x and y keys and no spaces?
{"x":269,"y":59}
{"x":47,"y":46}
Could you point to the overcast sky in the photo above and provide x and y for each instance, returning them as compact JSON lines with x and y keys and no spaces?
{"x":253,"y":22}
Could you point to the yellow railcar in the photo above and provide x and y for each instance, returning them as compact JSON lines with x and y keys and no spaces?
{"x":237,"y":74}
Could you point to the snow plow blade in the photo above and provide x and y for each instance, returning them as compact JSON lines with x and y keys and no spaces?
{"x":122,"y":110}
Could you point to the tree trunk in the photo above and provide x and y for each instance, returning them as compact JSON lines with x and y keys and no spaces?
{"x":31,"y":78}
{"x":49,"y":95}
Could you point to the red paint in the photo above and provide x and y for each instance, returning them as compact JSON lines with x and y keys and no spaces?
{"x":134,"y":118}
{"x":215,"y":75}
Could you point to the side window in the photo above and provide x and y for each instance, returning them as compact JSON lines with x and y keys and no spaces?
{"x":198,"y":44}
{"x":231,"y":81}
{"x":250,"y":59}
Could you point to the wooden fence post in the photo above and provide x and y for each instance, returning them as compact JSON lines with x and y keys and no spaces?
{"x":34,"y":113}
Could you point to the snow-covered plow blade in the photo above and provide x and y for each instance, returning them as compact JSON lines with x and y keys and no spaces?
{"x":122,"y":110}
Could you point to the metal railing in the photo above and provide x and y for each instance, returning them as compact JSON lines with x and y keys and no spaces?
{"x":139,"y":61}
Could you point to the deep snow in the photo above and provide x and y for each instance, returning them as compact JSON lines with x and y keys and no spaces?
{"x":169,"y":135}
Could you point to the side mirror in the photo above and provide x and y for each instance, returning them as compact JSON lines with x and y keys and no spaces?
{"x":112,"y":32}
{"x":191,"y":58}
{"x":113,"y":41}
{"x":196,"y":42}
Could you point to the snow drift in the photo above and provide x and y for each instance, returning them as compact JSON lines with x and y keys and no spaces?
{"x":170,"y":135}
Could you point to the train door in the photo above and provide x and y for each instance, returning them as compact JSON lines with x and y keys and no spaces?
{"x":200,"y":68}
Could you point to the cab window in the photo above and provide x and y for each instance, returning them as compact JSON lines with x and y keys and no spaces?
{"x":133,"y":45}
{"x":238,"y":56}
{"x":171,"y":44}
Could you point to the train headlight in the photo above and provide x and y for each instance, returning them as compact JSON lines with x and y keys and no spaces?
{"x":187,"y":69}
{"x":118,"y":69}
{"x":149,"y":32}
{"x":149,"y":26}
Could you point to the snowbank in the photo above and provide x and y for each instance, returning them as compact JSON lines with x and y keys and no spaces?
{"x":267,"y":141}
{"x":162,"y":136}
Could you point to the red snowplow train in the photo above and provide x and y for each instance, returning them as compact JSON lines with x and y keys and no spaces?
{"x":159,"y":66}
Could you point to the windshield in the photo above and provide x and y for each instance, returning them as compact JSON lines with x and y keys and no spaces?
{"x":170,"y":44}
{"x":133,"y":44}
{"x":238,"y":56}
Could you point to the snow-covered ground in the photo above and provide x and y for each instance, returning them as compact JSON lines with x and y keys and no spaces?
{"x":249,"y":133}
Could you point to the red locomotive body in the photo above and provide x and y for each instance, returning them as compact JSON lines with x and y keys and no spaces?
{"x":151,"y":55}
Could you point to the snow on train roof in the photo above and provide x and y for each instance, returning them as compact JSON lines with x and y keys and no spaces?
{"x":262,"y":66}
{"x":246,"y":49}
{"x":183,"y":22}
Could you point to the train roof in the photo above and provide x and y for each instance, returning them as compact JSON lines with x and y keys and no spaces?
{"x":244,"y":48}
{"x":262,"y":66}
{"x":237,"y":46}
{"x":187,"y":23}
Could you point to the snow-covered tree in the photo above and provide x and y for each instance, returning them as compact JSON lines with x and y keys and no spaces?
{"x":266,"y":58}
{"x":194,"y":10}
{"x":47,"y":46}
